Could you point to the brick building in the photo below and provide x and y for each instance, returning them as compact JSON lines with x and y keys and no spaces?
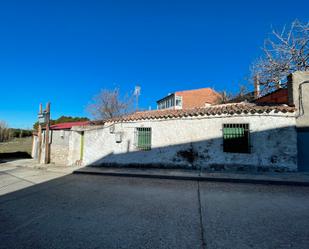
{"x":189,"y":99}
{"x":279,"y":96}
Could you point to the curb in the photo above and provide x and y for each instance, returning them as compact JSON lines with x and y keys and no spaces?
{"x":195,"y":178}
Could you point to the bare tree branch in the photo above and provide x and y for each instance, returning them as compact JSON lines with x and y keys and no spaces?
{"x":4,"y":131}
{"x":108,"y":104}
{"x":284,"y":53}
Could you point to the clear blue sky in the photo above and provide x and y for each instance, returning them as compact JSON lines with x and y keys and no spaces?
{"x":66,"y":51}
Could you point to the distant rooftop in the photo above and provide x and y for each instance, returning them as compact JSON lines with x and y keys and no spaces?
{"x":188,"y":99}
{"x":68,"y":125}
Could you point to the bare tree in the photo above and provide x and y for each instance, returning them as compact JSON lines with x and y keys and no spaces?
{"x":241,"y":95}
{"x":225,"y":97}
{"x":4,"y":131}
{"x":284,"y":52}
{"x":109,"y":104}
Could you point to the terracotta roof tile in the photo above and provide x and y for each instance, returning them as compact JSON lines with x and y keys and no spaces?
{"x":231,"y":109}
{"x":68,"y":125}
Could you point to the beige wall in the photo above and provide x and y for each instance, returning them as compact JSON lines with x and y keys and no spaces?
{"x":299,"y":96}
{"x":59,"y":147}
{"x":74,"y":148}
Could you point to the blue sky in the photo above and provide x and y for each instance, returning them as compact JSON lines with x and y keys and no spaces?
{"x":66,"y":51}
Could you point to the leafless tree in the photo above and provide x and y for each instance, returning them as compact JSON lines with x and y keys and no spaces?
{"x":109,"y":104}
{"x":225,"y":97}
{"x":241,"y":95}
{"x":4,"y":131}
{"x":283,"y":53}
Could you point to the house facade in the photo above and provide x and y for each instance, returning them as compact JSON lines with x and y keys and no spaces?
{"x":230,"y":136}
{"x":60,"y":138}
{"x":233,"y":135}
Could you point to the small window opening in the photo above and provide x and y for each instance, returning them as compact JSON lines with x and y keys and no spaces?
{"x":236,"y":138}
{"x":143,"y":138}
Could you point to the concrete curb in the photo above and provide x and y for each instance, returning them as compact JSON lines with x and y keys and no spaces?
{"x":195,"y":178}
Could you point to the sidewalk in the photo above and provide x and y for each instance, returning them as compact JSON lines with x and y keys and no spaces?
{"x":294,"y":179}
{"x":23,"y":173}
{"x":33,"y":164}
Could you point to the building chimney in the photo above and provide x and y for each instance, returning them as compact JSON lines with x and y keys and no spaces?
{"x":256,"y":86}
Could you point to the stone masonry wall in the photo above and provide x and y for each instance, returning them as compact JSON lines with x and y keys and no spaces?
{"x":59,"y":147}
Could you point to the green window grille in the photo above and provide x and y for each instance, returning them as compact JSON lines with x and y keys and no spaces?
{"x":143,"y":138}
{"x":236,"y":138}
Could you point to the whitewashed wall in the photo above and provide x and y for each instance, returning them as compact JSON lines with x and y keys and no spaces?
{"x":75,"y":148}
{"x":59,"y":147}
{"x":273,"y":140}
{"x":35,"y":147}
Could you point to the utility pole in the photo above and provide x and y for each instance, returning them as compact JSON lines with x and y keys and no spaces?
{"x":40,"y":135}
{"x":47,"y":121}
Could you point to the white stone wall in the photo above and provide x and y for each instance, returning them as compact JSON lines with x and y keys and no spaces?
{"x":273,"y":140}
{"x":59,"y":146}
{"x":64,"y":147}
{"x":35,"y":147}
{"x":74,"y":148}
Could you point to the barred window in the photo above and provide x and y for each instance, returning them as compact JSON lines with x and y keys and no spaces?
{"x":236,"y":138}
{"x":143,"y":138}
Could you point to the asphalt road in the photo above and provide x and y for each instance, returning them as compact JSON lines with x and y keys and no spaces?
{"x":83,"y":211}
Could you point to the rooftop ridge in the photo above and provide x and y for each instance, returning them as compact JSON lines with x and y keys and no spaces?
{"x":220,"y":109}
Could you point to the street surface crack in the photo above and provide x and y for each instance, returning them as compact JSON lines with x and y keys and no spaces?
{"x":201,"y":216}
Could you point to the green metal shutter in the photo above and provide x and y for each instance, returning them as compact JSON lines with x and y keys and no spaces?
{"x":144,"y":138}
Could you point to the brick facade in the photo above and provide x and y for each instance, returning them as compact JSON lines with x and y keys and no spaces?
{"x":279,"y":96}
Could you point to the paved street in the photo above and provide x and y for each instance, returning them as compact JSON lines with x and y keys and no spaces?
{"x":89,"y":211}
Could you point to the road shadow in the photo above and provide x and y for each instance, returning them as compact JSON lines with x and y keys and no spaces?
{"x":12,"y":156}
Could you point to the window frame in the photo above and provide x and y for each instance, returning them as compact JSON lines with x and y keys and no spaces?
{"x":237,"y":140}
{"x":178,"y":98}
{"x":143,"y":143}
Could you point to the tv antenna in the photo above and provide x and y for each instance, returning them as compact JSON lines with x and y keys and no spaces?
{"x":137,"y":93}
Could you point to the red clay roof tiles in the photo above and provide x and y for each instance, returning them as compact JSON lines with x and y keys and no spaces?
{"x":231,"y":109}
{"x":68,"y":125}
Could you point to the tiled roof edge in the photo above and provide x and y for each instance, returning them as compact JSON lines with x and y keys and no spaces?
{"x":225,"y":109}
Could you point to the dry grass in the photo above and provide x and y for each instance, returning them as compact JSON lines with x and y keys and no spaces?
{"x":17,"y":145}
